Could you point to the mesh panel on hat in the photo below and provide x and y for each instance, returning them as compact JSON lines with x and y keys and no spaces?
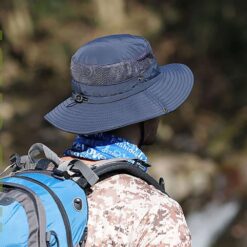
{"x":110,"y":74}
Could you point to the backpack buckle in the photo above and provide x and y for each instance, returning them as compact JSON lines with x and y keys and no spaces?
{"x":15,"y":161}
{"x":141,"y":164}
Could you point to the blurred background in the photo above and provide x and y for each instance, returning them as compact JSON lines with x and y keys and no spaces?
{"x":201,"y":148}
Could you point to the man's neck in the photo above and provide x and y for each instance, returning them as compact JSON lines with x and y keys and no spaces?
{"x":131,"y":133}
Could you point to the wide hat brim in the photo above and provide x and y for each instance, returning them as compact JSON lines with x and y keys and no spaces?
{"x":167,"y":92}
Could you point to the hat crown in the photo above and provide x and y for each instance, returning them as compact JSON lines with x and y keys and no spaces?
{"x":111,"y":60}
{"x":112,"y":49}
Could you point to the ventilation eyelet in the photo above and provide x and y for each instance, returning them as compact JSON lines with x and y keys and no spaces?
{"x":140,"y":78}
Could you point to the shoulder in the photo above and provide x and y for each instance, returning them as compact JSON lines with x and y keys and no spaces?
{"x":124,"y":187}
{"x":127,"y":186}
{"x":153,"y":212}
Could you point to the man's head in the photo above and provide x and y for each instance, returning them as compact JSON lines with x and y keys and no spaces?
{"x":116,"y":82}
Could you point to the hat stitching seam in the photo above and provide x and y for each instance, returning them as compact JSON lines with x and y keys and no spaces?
{"x":156,"y":102}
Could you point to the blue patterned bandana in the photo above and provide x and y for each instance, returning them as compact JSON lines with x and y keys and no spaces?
{"x":102,"y":147}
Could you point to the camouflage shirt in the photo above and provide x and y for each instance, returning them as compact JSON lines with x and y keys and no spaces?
{"x":126,"y":211}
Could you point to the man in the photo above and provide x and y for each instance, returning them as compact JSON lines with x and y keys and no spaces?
{"x":119,"y":92}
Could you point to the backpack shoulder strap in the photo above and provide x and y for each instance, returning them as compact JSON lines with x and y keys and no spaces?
{"x":112,"y":167}
{"x":82,"y":174}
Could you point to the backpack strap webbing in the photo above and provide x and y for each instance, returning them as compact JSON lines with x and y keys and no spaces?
{"x":121,"y":167}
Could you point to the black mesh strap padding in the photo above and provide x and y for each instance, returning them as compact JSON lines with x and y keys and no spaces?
{"x":115,"y":168}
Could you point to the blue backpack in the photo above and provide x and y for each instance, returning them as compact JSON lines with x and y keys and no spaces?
{"x":43,"y":202}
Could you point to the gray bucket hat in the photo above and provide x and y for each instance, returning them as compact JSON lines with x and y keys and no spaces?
{"x":116,"y":82}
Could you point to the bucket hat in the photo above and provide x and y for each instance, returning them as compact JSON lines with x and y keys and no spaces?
{"x":116,"y":81}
